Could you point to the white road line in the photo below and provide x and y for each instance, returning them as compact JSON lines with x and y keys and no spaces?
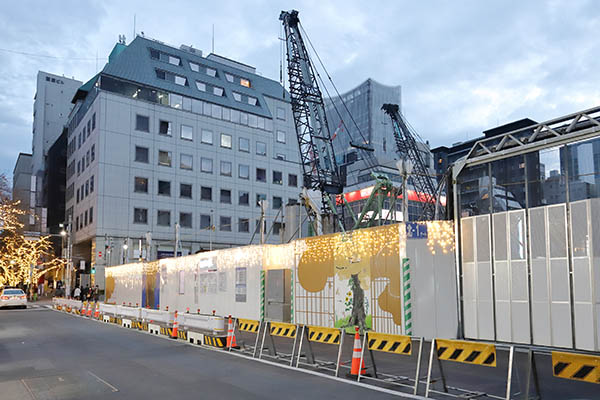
{"x":114,"y":389}
{"x":28,"y":389}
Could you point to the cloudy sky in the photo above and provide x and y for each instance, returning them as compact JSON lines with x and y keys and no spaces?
{"x":464,"y":66}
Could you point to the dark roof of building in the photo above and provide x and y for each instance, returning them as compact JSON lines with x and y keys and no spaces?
{"x":134,"y":64}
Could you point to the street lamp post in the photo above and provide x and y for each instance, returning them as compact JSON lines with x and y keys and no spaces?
{"x":67,"y":232}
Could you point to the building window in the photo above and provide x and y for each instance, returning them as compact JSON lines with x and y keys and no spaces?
{"x":92,"y":184}
{"x":225,"y":140}
{"x":89,"y":127}
{"x":78,"y":167}
{"x":141,"y":154}
{"x":142,"y":123}
{"x":280,"y":156}
{"x":244,"y":198}
{"x":261,"y":175}
{"x":205,"y":221}
{"x":281,"y":136}
{"x":281,"y":113}
{"x":237,"y":96}
{"x":180,"y":80}
{"x":216,"y":111}
{"x":93,"y":152}
{"x":245,"y":82}
{"x":243,"y":225}
{"x":85,"y":218}
{"x":91,"y":214}
{"x":293,"y":180}
{"x":140,"y":185}
{"x":245,"y":145}
{"x":186,"y":161}
{"x":259,"y":198}
{"x":164,"y":127}
{"x":211,"y":72}
{"x":252,"y":100}
{"x":87,"y":159}
{"x":140,"y":216}
{"x":77,"y":224}
{"x":225,"y":168}
{"x":187,"y":132}
{"x":163,"y":218}
{"x":217,"y":91}
{"x":229,"y":77}
{"x":261,"y":148}
{"x":185,"y":220}
{"x":244,"y":171}
{"x":185,"y":190}
{"x":175,"y":100}
{"x":174,"y":60}
{"x":77,"y":196}
{"x":87,"y":188}
{"x":206,"y":165}
{"x":276,"y":228}
{"x":194,"y":67}
{"x":93,"y":121}
{"x":225,"y":224}
{"x":164,"y":158}
{"x":277,"y":178}
{"x":277,"y":202}
{"x":164,"y":188}
{"x":206,"y":193}
{"x":226,"y":196}
{"x":207,"y":137}
{"x":201,"y":86}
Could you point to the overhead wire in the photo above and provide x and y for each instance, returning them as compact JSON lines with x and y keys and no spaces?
{"x":369,"y":159}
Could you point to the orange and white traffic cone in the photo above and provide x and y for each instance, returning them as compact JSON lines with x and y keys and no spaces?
{"x":175,"y":327}
{"x":97,"y":312}
{"x":230,"y":335}
{"x":356,"y":367}
{"x":89,"y":311}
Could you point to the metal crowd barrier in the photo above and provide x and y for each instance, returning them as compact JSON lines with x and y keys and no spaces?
{"x":250,"y":326}
{"x":280,"y":329}
{"x":321,"y":334}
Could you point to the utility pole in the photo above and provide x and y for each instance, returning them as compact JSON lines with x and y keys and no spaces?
{"x":69,"y":231}
{"x":211,"y":228}
{"x":405,"y":167}
{"x":263,"y":206}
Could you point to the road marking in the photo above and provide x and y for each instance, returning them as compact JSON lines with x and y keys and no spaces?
{"x":28,"y":389}
{"x":114,"y":389}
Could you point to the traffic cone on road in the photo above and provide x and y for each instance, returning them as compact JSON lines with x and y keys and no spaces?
{"x":356,"y":367}
{"x":89,"y":311}
{"x":230,"y":335}
{"x":97,"y":312}
{"x":175,"y":327}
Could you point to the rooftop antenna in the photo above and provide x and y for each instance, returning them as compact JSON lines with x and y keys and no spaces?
{"x":213,"y":38}
{"x":134,"y":26}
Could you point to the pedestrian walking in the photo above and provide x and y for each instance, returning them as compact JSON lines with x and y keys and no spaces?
{"x":96,"y":293}
{"x":77,"y":293}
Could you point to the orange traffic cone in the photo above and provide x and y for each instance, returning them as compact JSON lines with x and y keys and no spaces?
{"x":230,"y":335}
{"x":89,"y":311}
{"x":357,"y":368}
{"x":97,"y":312}
{"x":175,"y":327}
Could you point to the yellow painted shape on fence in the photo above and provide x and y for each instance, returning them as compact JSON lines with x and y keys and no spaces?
{"x":322,"y":334}
{"x":248,"y":325}
{"x":283,"y":329}
{"x":579,"y":367}
{"x":397,"y":344}
{"x":466,"y":352}
{"x":214,"y":341}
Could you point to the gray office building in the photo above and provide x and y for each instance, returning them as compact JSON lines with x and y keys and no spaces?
{"x":51,"y":108}
{"x":165,"y":144}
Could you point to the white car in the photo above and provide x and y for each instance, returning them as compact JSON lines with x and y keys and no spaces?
{"x":11,"y":297}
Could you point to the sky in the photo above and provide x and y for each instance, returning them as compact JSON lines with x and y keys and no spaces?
{"x":464,"y":66}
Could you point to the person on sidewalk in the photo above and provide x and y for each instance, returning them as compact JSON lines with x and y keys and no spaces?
{"x":77,"y":293}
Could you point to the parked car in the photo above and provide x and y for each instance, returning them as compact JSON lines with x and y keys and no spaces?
{"x":12,"y":297}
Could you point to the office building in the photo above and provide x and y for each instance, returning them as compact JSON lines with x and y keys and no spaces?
{"x":167,"y":146}
{"x":23,"y":192}
{"x":51,"y":108}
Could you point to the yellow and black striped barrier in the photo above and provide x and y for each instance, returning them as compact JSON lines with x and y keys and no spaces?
{"x":248,"y":325}
{"x":322,"y":334}
{"x":142,"y":326}
{"x":283,"y":329}
{"x":215,"y":341}
{"x":579,"y":367}
{"x":280,"y":329}
{"x":466,"y":352}
{"x":388,"y":343}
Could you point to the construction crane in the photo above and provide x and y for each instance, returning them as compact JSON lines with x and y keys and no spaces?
{"x":317,"y":156}
{"x":407,"y":142}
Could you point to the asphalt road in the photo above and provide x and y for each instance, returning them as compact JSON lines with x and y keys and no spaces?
{"x":47,"y":355}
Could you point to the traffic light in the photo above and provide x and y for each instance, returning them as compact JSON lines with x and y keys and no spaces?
{"x":93,"y":270}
